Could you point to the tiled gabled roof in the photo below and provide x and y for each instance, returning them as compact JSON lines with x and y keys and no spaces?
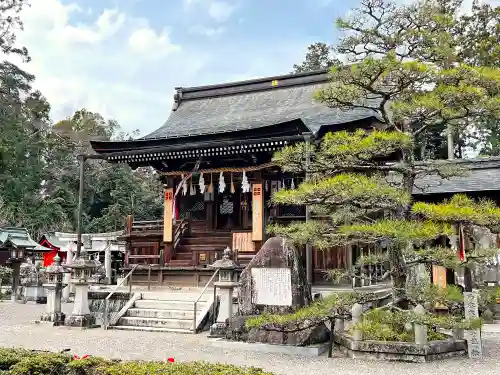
{"x":483,"y":175}
{"x":253,"y":104}
{"x":18,"y":237}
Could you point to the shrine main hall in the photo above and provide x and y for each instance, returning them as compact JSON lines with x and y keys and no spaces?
{"x":214,"y":158}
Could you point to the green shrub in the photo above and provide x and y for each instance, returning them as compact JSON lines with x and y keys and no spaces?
{"x":41,"y":364}
{"x":25,"y":362}
{"x":178,"y":368}
{"x":9,"y":357}
{"x":87,"y":365}
{"x":386,"y":325}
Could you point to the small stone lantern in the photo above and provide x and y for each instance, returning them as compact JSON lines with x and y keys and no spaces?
{"x":17,"y":255}
{"x":225,"y":285}
{"x":82,"y":269}
{"x":54,"y":285}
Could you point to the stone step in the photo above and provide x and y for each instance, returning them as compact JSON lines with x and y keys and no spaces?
{"x":185,"y":324}
{"x":150,"y":329}
{"x":168,"y":305}
{"x":176,"y":296}
{"x":160,"y":314}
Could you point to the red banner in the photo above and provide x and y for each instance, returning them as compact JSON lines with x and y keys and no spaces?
{"x":461,"y":242}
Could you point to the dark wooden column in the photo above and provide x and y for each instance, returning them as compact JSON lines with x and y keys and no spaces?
{"x":309,"y":249}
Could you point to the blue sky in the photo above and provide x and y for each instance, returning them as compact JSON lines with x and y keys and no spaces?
{"x":123,"y":58}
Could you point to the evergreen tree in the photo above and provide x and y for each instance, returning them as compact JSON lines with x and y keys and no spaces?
{"x":407,"y":67}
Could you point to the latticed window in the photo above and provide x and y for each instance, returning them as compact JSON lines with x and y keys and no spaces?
{"x":193,"y":204}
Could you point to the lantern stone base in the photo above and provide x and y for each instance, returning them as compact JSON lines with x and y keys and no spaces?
{"x":81,"y":321}
{"x":218,"y":330}
{"x":57,"y":319}
{"x":35,"y":294}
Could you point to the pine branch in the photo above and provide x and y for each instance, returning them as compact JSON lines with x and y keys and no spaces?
{"x":460,"y":208}
{"x":345,"y":189}
{"x":397,"y":231}
{"x":448,"y":258}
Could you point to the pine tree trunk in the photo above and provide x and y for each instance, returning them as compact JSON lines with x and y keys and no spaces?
{"x":399,"y":274}
{"x":397,"y":263}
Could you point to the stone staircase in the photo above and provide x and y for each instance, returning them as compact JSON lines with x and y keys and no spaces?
{"x":199,"y":240}
{"x":165,"y":312}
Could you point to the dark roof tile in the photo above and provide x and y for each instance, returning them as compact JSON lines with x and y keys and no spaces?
{"x":253,"y":104}
{"x":484,"y":175}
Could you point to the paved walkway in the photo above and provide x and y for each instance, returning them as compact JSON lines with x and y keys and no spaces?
{"x":17,"y":329}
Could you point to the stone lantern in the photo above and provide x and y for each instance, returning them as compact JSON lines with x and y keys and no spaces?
{"x":17,"y":255}
{"x":82,"y":269}
{"x":54,"y":285}
{"x":226,"y":284}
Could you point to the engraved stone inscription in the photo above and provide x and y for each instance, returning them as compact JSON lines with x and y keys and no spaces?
{"x":472,"y":336}
{"x":272,"y":286}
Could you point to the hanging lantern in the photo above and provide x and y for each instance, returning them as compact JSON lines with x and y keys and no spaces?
{"x":222,"y":183}
{"x":202,"y":184}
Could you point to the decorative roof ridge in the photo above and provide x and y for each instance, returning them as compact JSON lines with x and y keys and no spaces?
{"x":248,"y":86}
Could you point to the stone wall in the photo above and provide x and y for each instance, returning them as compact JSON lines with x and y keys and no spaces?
{"x":96,"y":303}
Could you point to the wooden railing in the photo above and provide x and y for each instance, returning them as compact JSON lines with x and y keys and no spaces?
{"x":106,"y":317}
{"x":134,"y":226}
{"x":182,"y":228}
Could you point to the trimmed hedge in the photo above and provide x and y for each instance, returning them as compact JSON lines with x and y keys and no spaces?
{"x":26,"y":362}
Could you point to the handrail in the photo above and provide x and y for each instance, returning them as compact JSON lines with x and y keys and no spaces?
{"x":106,"y":300}
{"x":179,"y":231}
{"x":199,"y":297}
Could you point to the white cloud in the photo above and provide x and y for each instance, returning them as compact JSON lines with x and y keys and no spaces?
{"x":220,"y":11}
{"x":118,"y":65}
{"x":145,"y":40}
{"x":99,"y":64}
{"x":205,"y":30}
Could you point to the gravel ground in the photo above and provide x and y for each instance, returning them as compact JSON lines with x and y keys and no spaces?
{"x":17,"y":329}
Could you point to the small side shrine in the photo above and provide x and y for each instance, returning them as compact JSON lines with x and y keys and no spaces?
{"x":16,"y":246}
{"x":11,"y":237}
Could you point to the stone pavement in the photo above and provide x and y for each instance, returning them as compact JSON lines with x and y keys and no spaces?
{"x":17,"y":329}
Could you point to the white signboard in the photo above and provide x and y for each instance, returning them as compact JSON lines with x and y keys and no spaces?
{"x":472,"y":336}
{"x":272,"y":286}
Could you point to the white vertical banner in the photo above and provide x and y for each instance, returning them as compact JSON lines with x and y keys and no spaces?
{"x":473,"y":336}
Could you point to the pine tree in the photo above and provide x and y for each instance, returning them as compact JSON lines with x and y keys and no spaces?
{"x":405,"y":64}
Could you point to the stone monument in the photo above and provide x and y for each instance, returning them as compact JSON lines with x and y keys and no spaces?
{"x":81,"y":272}
{"x":225,"y":285}
{"x":274,"y":282}
{"x":473,"y":336}
{"x":54,"y":285}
